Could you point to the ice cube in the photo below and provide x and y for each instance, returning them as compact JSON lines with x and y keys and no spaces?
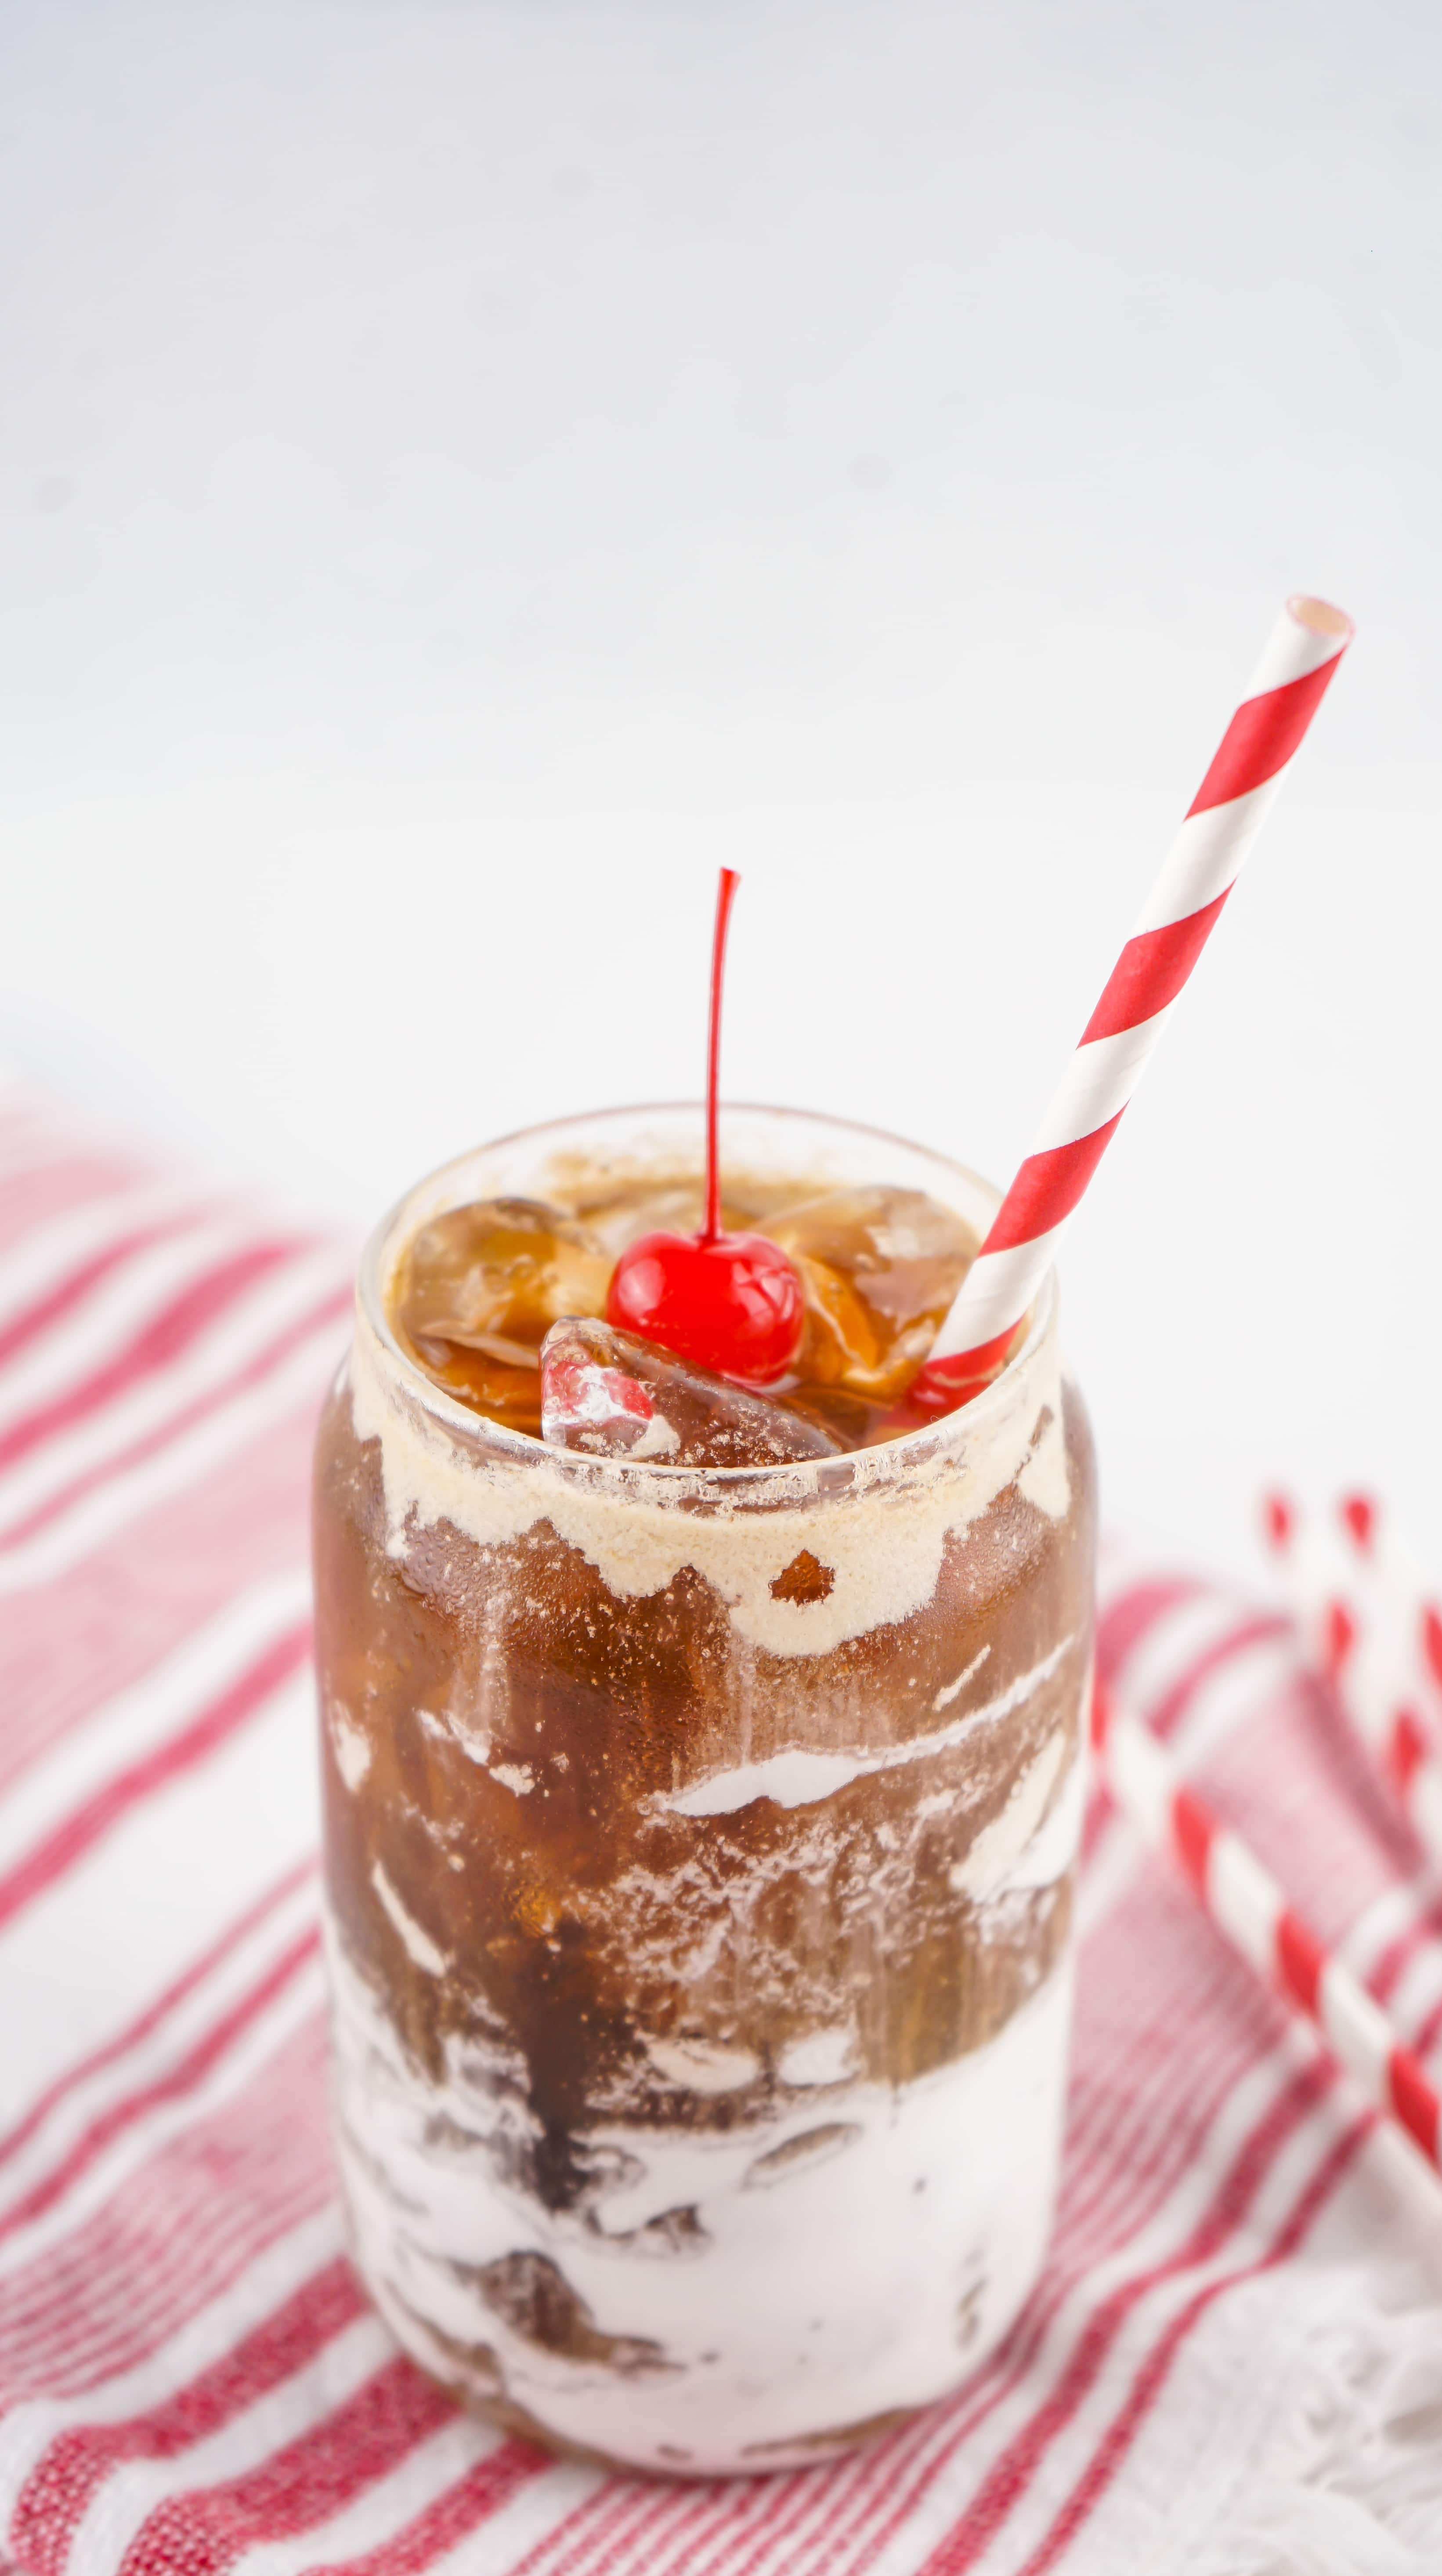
{"x":852,"y":1421}
{"x":616,"y":1396}
{"x":630,"y":1207}
{"x":479,"y":1288}
{"x":879,"y":1268}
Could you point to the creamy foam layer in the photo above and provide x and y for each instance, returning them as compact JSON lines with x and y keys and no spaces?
{"x":879,"y":1521}
{"x":720,"y":2300}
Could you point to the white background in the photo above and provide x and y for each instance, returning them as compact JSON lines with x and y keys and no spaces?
{"x":469,"y":466}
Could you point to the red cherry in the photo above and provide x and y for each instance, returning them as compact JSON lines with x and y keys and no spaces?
{"x":733,"y":1304}
{"x":727,"y":1302}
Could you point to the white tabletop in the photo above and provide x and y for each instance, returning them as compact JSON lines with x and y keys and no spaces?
{"x":469,"y":468}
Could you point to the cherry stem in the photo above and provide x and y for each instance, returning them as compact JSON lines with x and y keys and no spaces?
{"x":725,"y":896}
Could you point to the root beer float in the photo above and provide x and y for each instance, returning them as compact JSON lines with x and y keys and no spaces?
{"x":701,"y":1709}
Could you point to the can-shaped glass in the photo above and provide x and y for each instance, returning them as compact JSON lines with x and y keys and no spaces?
{"x":699,"y":1855}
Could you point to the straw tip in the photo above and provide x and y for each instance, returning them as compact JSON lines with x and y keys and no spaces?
{"x":1279,"y":1521}
{"x":1321,"y":618}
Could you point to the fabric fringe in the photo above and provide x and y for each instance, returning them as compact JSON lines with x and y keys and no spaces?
{"x":1349,"y":2482}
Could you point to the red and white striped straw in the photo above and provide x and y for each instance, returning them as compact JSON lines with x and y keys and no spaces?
{"x":1370,"y":1631}
{"x":1248,"y":1908}
{"x":1400,"y":1586}
{"x":1198,"y":873}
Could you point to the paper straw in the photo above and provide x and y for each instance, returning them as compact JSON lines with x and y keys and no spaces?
{"x":1372,"y":1538}
{"x":1198,"y":873}
{"x":1366,"y":1633}
{"x":1248,"y":1908}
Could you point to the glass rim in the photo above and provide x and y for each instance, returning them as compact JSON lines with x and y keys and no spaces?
{"x":527,"y":1449}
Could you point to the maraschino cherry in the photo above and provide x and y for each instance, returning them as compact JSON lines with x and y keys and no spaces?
{"x":728,"y":1302}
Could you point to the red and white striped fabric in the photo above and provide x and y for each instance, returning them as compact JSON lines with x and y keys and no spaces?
{"x":1250,"y":1910}
{"x":1197,"y":875}
{"x":1231,"y":2363}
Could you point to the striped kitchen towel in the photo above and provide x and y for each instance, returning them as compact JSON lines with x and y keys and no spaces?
{"x":1233,"y":2364}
